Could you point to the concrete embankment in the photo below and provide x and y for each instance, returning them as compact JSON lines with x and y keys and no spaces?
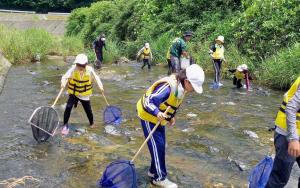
{"x":4,"y":68}
{"x":53,"y":23}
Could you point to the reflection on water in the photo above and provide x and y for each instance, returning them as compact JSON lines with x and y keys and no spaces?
{"x":211,"y":145}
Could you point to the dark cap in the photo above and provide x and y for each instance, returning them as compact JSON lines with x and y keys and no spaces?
{"x":188,"y":33}
{"x":102,"y":35}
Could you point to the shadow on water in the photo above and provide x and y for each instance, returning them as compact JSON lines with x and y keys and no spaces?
{"x":209,"y":147}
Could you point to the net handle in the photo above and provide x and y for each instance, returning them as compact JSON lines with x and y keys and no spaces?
{"x":103,"y":94}
{"x":104,"y":98}
{"x":59,"y":94}
{"x":149,"y":136}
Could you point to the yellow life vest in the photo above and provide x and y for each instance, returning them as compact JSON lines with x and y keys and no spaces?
{"x":80,"y":86}
{"x":281,"y":116}
{"x":173,"y":101}
{"x":239,"y":75}
{"x":219,"y":52}
{"x":168,"y":54}
{"x":146,"y":53}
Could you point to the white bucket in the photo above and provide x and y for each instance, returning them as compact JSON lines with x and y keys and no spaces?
{"x":184,"y":63}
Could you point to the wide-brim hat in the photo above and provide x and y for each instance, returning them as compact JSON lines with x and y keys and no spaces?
{"x":195,"y":75}
{"x":81,"y":59}
{"x":220,"y":38}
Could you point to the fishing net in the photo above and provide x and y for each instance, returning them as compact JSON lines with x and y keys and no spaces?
{"x":119,"y":174}
{"x":112,"y":115}
{"x":259,"y":175}
{"x":44,"y":121}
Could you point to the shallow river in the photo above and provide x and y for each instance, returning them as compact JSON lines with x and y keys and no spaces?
{"x":219,"y":135}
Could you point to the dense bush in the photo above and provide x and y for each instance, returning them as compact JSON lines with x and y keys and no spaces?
{"x":254,"y":30}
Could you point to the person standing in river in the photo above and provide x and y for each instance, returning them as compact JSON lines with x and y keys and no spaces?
{"x":146,"y":55}
{"x":178,"y":49}
{"x":79,"y":81}
{"x":286,"y":138}
{"x":98,"y":46}
{"x":217,"y":54}
{"x":168,"y":91}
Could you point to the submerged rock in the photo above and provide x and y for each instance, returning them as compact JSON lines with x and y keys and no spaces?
{"x":228,"y":103}
{"x":188,"y":130}
{"x":122,"y":60}
{"x":100,"y":139}
{"x":112,"y":130}
{"x":191,"y":115}
{"x":32,"y":72}
{"x":242,"y":166}
{"x":213,"y":149}
{"x":251,"y":134}
{"x":75,"y":147}
{"x":45,"y":83}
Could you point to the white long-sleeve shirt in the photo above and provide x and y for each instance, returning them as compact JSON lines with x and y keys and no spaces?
{"x":90,"y":70}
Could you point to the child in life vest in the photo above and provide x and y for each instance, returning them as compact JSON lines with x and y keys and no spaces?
{"x":168,"y":91}
{"x":241,"y":73}
{"x":146,"y":55}
{"x":217,"y":54}
{"x":78,"y":80}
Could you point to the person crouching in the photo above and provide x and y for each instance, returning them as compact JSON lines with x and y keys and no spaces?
{"x":241,"y":73}
{"x":79,"y":81}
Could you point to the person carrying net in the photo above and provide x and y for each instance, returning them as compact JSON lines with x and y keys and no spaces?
{"x":166,"y":92}
{"x":79,"y":81}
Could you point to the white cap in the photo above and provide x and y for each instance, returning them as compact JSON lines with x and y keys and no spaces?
{"x":239,"y":68}
{"x":147,"y":45}
{"x":220,"y":38}
{"x":244,"y":67}
{"x":195,"y":75}
{"x":81,"y":59}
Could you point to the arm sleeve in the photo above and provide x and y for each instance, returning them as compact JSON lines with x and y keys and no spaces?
{"x":158,"y":96}
{"x":96,"y":77}
{"x":183,"y":46}
{"x":94,"y":44}
{"x":213,"y":48}
{"x":67,"y":75}
{"x":232,"y":70}
{"x":292,"y":108}
{"x":140,"y":51}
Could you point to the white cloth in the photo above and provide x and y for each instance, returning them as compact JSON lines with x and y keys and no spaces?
{"x":90,"y":70}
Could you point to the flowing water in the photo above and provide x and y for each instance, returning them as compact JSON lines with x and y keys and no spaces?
{"x":219,"y":135}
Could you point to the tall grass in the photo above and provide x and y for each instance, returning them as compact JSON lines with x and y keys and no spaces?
{"x":23,"y":46}
{"x":112,"y":52}
{"x":282,"y":69}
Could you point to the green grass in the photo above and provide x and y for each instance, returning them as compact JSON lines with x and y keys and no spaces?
{"x":23,"y":46}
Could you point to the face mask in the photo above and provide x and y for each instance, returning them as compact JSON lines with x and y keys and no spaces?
{"x":102,"y":39}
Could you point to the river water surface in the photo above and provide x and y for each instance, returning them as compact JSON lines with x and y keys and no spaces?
{"x":219,"y":135}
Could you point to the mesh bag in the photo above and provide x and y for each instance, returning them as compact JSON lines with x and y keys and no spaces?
{"x":259,"y":175}
{"x":44,"y":122}
{"x":112,"y":115}
{"x":119,"y":174}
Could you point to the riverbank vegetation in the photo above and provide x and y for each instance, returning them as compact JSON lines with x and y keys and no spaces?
{"x":24,"y":46}
{"x":261,"y":34}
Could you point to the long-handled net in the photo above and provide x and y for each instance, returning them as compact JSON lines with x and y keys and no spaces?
{"x":112,"y":114}
{"x":259,"y":175}
{"x":121,"y":173}
{"x":44,"y":121}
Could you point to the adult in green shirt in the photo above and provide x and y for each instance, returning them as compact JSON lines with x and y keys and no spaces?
{"x":178,"y":49}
